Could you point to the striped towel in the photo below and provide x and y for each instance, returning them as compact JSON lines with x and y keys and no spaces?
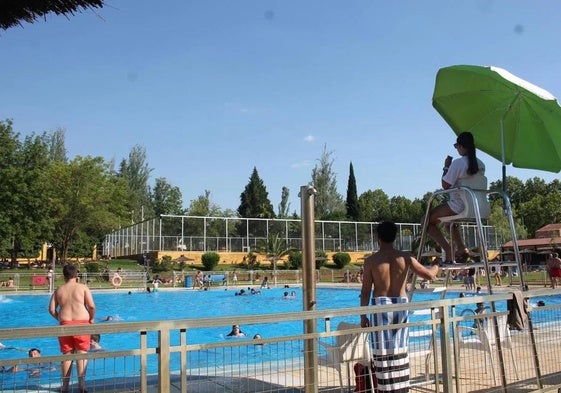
{"x":389,"y":347}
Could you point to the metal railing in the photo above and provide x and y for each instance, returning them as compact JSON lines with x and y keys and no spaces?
{"x":165,"y":360}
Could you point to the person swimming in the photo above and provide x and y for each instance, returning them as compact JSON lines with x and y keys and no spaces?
{"x":258,"y":337}
{"x":94,"y":343}
{"x":236,"y":332}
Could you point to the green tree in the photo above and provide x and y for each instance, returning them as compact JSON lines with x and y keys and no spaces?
{"x":499,"y":221}
{"x":401,"y":209}
{"x":136,"y":173}
{"x":254,"y":199}
{"x":204,"y":207}
{"x":353,"y":209}
{"x":34,"y":224}
{"x":85,"y":199}
{"x":328,"y":202}
{"x":284,"y":205}
{"x":57,"y":145}
{"x":275,"y":248}
{"x":23,"y":219}
{"x":374,"y":206}
{"x":541,"y":210}
{"x":166,"y":199}
{"x":534,"y":186}
{"x":417,"y":210}
{"x":515,"y":187}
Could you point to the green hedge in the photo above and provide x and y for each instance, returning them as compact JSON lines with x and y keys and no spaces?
{"x":210,"y":260}
{"x":341,"y":259}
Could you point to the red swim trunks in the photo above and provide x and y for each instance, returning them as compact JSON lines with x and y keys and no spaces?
{"x":74,"y":343}
{"x":555,"y":272}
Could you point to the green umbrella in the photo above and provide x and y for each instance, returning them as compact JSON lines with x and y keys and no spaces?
{"x":511,"y":119}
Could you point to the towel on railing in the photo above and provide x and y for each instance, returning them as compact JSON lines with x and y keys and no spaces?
{"x":38,"y":280}
{"x":390,"y":347}
{"x":517,"y":311}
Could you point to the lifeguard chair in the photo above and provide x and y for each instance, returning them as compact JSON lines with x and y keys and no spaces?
{"x":475,"y":196}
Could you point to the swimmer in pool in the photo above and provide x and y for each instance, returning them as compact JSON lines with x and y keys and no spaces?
{"x":236,"y":332}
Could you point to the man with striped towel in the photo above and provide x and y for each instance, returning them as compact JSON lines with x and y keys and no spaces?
{"x":385,"y":274}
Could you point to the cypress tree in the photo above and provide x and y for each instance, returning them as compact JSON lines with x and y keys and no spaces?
{"x":254,"y":199}
{"x":353,"y":210}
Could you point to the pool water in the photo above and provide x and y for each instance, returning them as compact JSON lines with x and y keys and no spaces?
{"x":32,"y":310}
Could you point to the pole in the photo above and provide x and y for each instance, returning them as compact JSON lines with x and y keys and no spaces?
{"x":308,"y":278}
{"x":52,"y":276}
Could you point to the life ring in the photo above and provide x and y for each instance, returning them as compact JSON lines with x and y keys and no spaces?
{"x":116,"y":281}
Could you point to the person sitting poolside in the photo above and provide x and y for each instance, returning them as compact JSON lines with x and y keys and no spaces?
{"x":236,"y":332}
{"x":9,"y":283}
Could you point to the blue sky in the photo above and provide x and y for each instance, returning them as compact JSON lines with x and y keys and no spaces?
{"x":212,"y":89}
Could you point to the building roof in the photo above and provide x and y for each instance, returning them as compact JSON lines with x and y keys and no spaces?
{"x":537,"y":244}
{"x":540,"y":242}
{"x":549,"y":228}
{"x":12,"y":13}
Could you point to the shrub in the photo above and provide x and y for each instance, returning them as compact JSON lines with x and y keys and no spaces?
{"x":321,"y":257}
{"x":210,"y":260}
{"x":294,"y":260}
{"x":341,"y":259}
{"x":163,"y":265}
{"x":250,"y":261}
{"x":92,"y":267}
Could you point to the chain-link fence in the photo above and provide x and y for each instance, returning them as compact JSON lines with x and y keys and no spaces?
{"x":228,"y":234}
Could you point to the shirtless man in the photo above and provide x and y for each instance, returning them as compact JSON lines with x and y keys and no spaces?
{"x":553,"y":266}
{"x":385,"y":273}
{"x":72,"y":304}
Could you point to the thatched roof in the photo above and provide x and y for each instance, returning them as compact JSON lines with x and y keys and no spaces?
{"x":13,"y":12}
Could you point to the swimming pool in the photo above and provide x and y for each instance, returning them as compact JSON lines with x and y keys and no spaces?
{"x":31,"y":310}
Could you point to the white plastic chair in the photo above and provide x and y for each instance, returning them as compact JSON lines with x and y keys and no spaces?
{"x":349,"y":349}
{"x":483,"y":338}
{"x":426,"y":333}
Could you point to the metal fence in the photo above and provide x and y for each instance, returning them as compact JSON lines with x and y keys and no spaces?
{"x":37,"y":281}
{"x":440,"y":354}
{"x":229,"y":234}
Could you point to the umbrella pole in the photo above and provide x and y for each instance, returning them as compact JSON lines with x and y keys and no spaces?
{"x":523,"y":288}
{"x":503,"y":151}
